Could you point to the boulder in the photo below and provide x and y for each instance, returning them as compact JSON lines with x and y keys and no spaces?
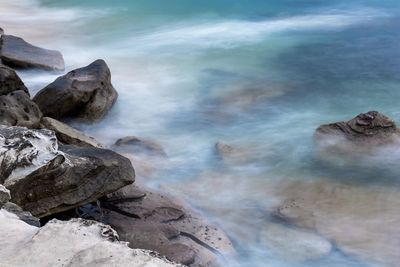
{"x":17,"y":109}
{"x":150,"y":220}
{"x":68,"y":243}
{"x":4,"y":195}
{"x":135,"y":145}
{"x":68,"y":135}
{"x":16,"y":52}
{"x":85,"y":94}
{"x":10,"y":81}
{"x":45,"y":180}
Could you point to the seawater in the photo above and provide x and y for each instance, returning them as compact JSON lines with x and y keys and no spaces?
{"x":262,"y":75}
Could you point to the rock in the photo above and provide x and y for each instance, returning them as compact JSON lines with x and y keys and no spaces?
{"x":21,"y":214}
{"x":136,"y":145}
{"x":361,"y":219}
{"x":44,"y":180}
{"x":292,"y":244}
{"x":16,"y":52}
{"x":1,"y":32}
{"x":71,"y":243}
{"x":235,"y":155}
{"x":17,"y":109}
{"x":153,"y":221}
{"x":4,"y":195}
{"x":85,"y":94}
{"x":10,"y":81}
{"x":68,"y":135}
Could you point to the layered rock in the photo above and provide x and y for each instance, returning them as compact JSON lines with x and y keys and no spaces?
{"x":135,"y":145}
{"x":73,"y":243}
{"x":68,"y":135}
{"x":16,"y":52}
{"x":45,"y":180}
{"x":10,"y":81}
{"x":85,"y":94}
{"x":153,"y":221}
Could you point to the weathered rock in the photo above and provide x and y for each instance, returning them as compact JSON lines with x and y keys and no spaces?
{"x":44,"y":180}
{"x":85,"y":94}
{"x":10,"y":81}
{"x":4,"y":195}
{"x":16,"y":52}
{"x":17,"y":109}
{"x":137,"y":145}
{"x":68,"y":135}
{"x":369,"y":128}
{"x":25,"y":216}
{"x":362,"y":220}
{"x":292,"y":244}
{"x":153,"y":221}
{"x":72,"y":243}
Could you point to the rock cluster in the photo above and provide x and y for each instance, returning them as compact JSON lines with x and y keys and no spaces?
{"x":50,"y":170}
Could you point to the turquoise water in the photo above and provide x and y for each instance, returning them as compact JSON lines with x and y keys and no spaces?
{"x":257,"y":74}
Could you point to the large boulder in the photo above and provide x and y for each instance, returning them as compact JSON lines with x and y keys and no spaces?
{"x":17,"y":109}
{"x":154,"y":221}
{"x":68,"y":135}
{"x":10,"y":81}
{"x":16,"y":52}
{"x":71,"y":243}
{"x":85,"y":94}
{"x":45,"y":180}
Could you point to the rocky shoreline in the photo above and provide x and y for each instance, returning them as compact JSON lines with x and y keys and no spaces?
{"x":68,"y":198}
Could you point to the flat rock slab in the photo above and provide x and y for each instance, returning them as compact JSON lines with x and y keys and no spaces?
{"x":85,"y":94}
{"x":71,"y":243}
{"x":154,"y":221}
{"x":68,"y":135}
{"x":45,"y":180}
{"x":16,"y":52}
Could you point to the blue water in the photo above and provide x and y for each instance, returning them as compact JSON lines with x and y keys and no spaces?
{"x":258,"y":74}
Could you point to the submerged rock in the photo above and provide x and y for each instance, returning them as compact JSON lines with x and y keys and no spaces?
{"x":137,"y":145}
{"x":68,"y":135}
{"x":17,"y":109}
{"x":45,"y":180}
{"x":71,"y":243}
{"x":153,"y":221}
{"x":85,"y":94}
{"x":16,"y":52}
{"x":10,"y":81}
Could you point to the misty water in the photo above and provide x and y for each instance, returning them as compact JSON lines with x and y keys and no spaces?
{"x":261,"y":76}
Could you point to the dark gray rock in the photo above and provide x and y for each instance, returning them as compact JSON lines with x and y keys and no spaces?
{"x":85,"y":94}
{"x":17,"y":109}
{"x":153,"y":221}
{"x":135,"y":145}
{"x":44,"y":180}
{"x":16,"y":52}
{"x":21,"y":214}
{"x":68,"y":135}
{"x":10,"y":81}
{"x":4,"y":195}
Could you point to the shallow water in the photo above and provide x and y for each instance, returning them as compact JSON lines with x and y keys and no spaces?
{"x":261,"y":75}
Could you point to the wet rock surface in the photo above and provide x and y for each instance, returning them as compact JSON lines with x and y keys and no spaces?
{"x":16,"y":52}
{"x":68,"y":135}
{"x":71,"y":243}
{"x":17,"y":109}
{"x":153,"y":221}
{"x":45,"y":180}
{"x":136,"y":145}
{"x":10,"y":81}
{"x":85,"y":94}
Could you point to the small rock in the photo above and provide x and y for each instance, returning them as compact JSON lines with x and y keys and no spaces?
{"x":16,"y":52}
{"x":22,"y":215}
{"x":68,"y":135}
{"x":85,"y":94}
{"x":135,"y":145}
{"x":4,"y":195}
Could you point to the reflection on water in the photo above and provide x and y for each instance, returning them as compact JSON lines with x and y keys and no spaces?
{"x":260,"y":77}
